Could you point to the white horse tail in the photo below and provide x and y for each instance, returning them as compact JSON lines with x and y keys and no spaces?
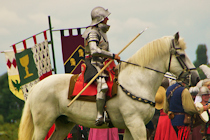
{"x":26,"y":127}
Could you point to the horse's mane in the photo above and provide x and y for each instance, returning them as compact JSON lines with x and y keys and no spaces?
{"x":153,"y":50}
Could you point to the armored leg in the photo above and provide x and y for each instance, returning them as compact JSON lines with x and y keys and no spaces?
{"x":100,"y":99}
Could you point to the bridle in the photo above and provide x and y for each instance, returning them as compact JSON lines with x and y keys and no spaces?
{"x":186,"y":72}
{"x":183,"y":76}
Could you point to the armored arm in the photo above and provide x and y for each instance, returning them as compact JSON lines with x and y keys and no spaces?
{"x":93,"y":41}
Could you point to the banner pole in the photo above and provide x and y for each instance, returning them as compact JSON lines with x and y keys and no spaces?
{"x":51,"y":42}
{"x":29,"y":37}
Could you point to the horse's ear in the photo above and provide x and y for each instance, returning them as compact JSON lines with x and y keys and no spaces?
{"x":176,"y":37}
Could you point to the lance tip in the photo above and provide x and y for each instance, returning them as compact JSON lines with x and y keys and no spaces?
{"x":146,"y":28}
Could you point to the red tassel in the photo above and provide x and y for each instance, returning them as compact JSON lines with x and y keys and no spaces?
{"x":14,"y":48}
{"x":45,"y":35}
{"x":34,"y":37}
{"x":70,"y":32}
{"x":24,"y":44}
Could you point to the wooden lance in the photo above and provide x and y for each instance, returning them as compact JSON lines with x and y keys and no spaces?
{"x":93,"y":79}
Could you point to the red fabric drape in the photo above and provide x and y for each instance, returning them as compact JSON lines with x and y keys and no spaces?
{"x":103,"y":134}
{"x":165,"y":130}
{"x":50,"y":132}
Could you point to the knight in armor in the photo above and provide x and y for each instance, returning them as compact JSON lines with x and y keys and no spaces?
{"x":96,"y":52}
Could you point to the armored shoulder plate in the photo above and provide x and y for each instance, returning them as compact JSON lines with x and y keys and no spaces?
{"x":93,"y":36}
{"x":91,"y":32}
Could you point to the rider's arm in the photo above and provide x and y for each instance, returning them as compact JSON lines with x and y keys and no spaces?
{"x":96,"y":51}
{"x":93,"y":41}
{"x":188,"y":103}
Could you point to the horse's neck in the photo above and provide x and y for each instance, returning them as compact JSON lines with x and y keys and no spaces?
{"x":143,"y":79}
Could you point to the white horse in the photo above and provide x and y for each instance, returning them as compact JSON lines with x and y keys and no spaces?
{"x":47,"y":101}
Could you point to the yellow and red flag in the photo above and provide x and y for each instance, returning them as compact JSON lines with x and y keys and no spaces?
{"x":13,"y":74}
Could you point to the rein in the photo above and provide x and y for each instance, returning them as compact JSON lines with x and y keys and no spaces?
{"x":173,"y":51}
{"x":132,"y":96}
{"x":149,"y":69}
{"x":186,"y":71}
{"x":135,"y":97}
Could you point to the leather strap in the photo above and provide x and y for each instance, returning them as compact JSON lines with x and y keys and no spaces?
{"x":179,"y":113}
{"x":171,"y":93}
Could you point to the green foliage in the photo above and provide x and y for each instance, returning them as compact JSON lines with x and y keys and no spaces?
{"x":202,"y":58}
{"x":9,"y":131}
{"x":10,"y":111}
{"x":10,"y":106}
{"x":1,"y":119}
{"x":201,"y":55}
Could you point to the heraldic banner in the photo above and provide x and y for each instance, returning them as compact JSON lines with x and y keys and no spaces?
{"x":73,"y":51}
{"x":33,"y":65}
{"x":13,"y":74}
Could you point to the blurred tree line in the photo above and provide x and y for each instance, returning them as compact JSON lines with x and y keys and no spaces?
{"x":201,"y":58}
{"x":10,"y":106}
{"x":10,"y":111}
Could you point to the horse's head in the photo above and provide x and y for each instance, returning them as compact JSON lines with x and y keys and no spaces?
{"x":180,"y":64}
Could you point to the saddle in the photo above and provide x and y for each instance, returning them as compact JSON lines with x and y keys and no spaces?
{"x":77,"y":84}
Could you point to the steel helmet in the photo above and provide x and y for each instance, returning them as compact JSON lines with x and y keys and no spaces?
{"x":193,"y":91}
{"x":98,"y":14}
{"x":203,"y":90}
